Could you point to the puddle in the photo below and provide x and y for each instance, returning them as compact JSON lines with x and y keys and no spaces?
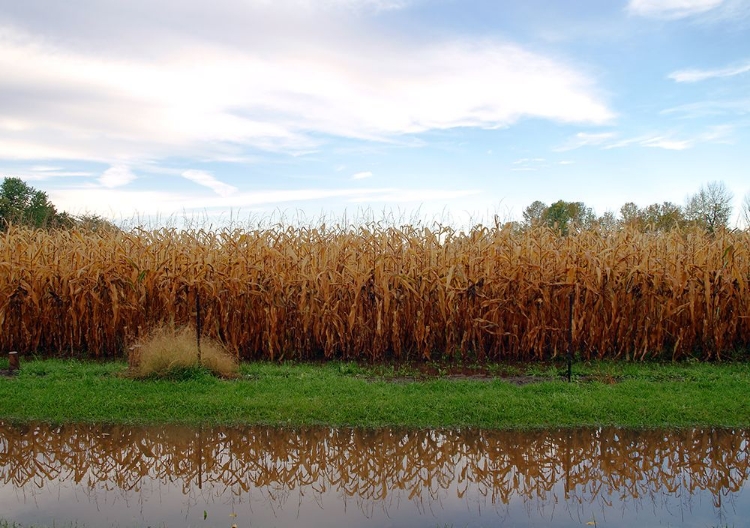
{"x":81,"y":475}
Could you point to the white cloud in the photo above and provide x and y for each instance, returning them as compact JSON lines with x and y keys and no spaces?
{"x":362,"y":175}
{"x":529,"y":164}
{"x":528,"y":160}
{"x":583,"y":139}
{"x":42,"y":172}
{"x":207,"y":180}
{"x":328,"y":5}
{"x":116,"y":176}
{"x":14,"y":125}
{"x":414,"y":196}
{"x":41,"y":148}
{"x":668,"y":141}
{"x":620,"y":143}
{"x":671,"y":9}
{"x":376,"y":5}
{"x":79,"y":96}
{"x":695,"y":75}
{"x":710,"y":108}
{"x":716,"y":134}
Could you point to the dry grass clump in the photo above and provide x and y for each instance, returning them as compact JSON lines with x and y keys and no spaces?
{"x":170,"y":352}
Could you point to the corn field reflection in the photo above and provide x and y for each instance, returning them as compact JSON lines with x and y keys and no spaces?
{"x":375,"y":465}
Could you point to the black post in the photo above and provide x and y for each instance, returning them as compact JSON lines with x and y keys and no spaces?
{"x":198,"y":328}
{"x":570,"y":335}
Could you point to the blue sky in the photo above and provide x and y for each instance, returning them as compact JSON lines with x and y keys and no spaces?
{"x":436,"y":108}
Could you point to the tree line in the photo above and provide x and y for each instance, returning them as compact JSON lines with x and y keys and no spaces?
{"x":21,"y":204}
{"x":710,"y":209}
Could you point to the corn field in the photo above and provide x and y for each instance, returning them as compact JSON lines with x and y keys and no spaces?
{"x":377,"y":292}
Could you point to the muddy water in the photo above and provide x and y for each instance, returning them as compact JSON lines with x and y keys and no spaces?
{"x":133,"y":476}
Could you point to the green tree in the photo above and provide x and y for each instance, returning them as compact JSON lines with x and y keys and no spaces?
{"x":24,"y":205}
{"x":655,"y":217}
{"x":561,"y":216}
{"x":566,"y":216}
{"x":663,"y":216}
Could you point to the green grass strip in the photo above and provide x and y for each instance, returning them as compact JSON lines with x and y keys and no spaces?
{"x":343,"y":394}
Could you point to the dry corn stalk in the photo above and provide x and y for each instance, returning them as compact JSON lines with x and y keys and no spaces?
{"x":375,"y":292}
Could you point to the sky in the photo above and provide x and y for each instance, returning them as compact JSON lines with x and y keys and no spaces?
{"x":451,"y":110}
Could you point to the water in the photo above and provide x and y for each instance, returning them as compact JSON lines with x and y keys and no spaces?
{"x":82,"y":475}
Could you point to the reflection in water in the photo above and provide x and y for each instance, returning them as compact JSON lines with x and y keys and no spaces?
{"x":319,"y":476}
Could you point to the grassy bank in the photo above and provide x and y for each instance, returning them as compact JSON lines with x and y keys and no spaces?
{"x":624,"y":394}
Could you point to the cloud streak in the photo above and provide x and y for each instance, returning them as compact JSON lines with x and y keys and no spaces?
{"x":668,"y":141}
{"x":583,"y":139}
{"x":696,"y":75}
{"x":671,"y":9}
{"x":703,"y":109}
{"x":206,"y":179}
{"x":529,"y":164}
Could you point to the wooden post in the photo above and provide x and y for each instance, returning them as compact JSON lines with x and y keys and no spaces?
{"x":13,"y":362}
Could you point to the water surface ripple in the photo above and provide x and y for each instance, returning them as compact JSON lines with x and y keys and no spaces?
{"x":86,"y":475}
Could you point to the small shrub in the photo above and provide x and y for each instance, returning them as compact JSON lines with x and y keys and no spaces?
{"x":173,"y":353}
